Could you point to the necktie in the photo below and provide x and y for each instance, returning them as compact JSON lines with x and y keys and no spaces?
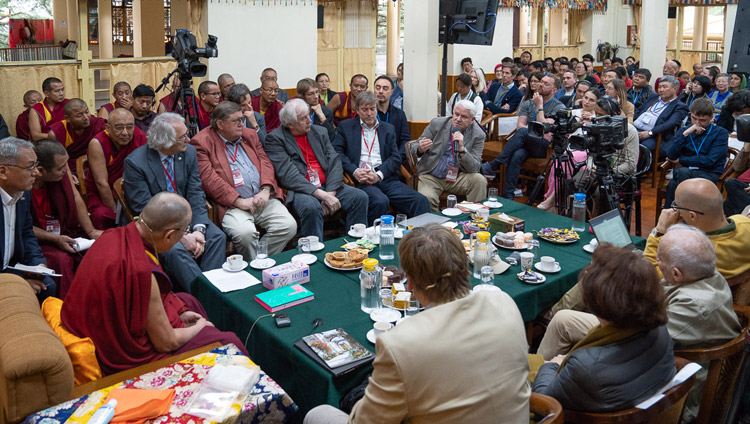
{"x":170,"y":173}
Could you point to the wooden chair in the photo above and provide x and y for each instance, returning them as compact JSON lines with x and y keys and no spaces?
{"x":81,"y":173}
{"x":121,"y":198}
{"x":728,"y":173}
{"x":661,"y":189}
{"x":632,"y":189}
{"x":655,"y":161}
{"x":740,"y":285}
{"x":411,"y":160}
{"x":490,"y":124}
{"x":665,"y":411}
{"x":724,"y":363}
{"x":546,"y":407}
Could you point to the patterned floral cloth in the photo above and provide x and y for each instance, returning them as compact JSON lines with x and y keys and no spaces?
{"x":267,"y":403}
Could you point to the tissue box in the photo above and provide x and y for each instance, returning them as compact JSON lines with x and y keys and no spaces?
{"x":286,"y":275}
{"x":506,"y":223}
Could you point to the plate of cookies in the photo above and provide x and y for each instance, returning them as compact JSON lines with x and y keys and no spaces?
{"x":512,"y":240}
{"x":345,"y":261}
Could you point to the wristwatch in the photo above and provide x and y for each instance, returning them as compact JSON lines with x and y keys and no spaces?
{"x":200,"y":228}
{"x":656,"y":233}
{"x":650,"y":133}
{"x":266,"y":189}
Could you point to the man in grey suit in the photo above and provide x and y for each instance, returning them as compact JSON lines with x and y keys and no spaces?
{"x":450,"y":156}
{"x":169,"y":163}
{"x":240,"y":94}
{"x":310,"y":169}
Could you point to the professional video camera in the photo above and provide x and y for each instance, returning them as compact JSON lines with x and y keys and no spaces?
{"x":565,"y":123}
{"x":603,"y":135}
{"x":187,"y":53}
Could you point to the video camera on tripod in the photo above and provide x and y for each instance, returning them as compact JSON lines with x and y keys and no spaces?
{"x":187,"y":54}
{"x":603,"y":135}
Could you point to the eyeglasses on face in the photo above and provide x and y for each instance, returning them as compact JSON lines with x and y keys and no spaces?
{"x":29,"y":168}
{"x":677,"y":208}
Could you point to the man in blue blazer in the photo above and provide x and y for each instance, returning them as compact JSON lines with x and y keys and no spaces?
{"x":387,"y":112}
{"x":662,"y":114}
{"x":369,"y":154}
{"x":504,"y":97}
{"x":18,"y":170}
{"x":169,"y":163}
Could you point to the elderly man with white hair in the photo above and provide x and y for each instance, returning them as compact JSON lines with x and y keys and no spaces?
{"x":168,"y":163}
{"x":309,"y":168}
{"x":450,"y":156}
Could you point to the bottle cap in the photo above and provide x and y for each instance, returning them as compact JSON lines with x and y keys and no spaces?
{"x":580,"y":197}
{"x":112,"y":402}
{"x":483,"y":236}
{"x":387,"y":219}
{"x":370,"y":264}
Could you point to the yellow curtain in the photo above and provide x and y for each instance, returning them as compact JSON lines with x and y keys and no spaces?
{"x":17,"y":80}
{"x":149,"y":73}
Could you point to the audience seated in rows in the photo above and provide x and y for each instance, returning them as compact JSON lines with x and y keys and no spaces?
{"x":370,"y":155}
{"x":309,"y":168}
{"x":168,"y":163}
{"x":479,"y":338}
{"x":450,"y":156}
{"x":661,"y":114}
{"x":138,"y":317}
{"x":568,"y":87}
{"x":504,"y":96}
{"x":239,"y":178}
{"x":76,"y":130}
{"x":699,"y":304}
{"x":60,"y":214}
{"x":106,"y":158}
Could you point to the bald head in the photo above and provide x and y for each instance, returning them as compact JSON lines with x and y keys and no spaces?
{"x":701,"y":195}
{"x":224,"y":78}
{"x":72,"y":105}
{"x":120,"y":116}
{"x":166,"y":211}
{"x":689,"y":250}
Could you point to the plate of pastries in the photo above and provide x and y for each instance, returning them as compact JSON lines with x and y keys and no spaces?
{"x":345,"y":261}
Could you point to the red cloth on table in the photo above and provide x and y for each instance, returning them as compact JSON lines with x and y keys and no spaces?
{"x":271,"y":114}
{"x":310,"y":158}
{"x":77,"y":145}
{"x":101,"y":215}
{"x":23,"y":131}
{"x":50,"y":116}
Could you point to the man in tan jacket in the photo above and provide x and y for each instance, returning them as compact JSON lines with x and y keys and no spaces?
{"x":462,"y":360}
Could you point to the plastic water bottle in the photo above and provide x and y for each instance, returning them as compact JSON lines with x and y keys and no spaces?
{"x":387,"y":240}
{"x":105,"y":413}
{"x":579,"y":212}
{"x":370,"y":280}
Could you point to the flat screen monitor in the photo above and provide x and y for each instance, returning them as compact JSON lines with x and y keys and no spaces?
{"x":468,"y":21}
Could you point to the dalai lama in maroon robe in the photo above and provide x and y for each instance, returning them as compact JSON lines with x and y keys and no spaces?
{"x":76,"y":130}
{"x":107,"y":153}
{"x":131,"y":315}
{"x":59,"y":213}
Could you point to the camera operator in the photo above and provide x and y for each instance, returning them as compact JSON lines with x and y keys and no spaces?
{"x":738,"y":189}
{"x":700,"y":147}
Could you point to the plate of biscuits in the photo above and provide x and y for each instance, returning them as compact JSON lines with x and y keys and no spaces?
{"x":345,"y":261}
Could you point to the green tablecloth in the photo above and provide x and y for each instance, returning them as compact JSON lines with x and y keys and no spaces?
{"x":337,"y":301}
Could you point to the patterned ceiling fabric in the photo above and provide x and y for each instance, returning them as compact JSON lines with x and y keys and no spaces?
{"x":689,"y":2}
{"x":595,"y":5}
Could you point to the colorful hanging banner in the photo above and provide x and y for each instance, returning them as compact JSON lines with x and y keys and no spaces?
{"x":688,"y":2}
{"x":595,"y":5}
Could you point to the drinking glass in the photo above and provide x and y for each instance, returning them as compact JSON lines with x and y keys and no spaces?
{"x":401,"y":220}
{"x":492,"y":194}
{"x":451,"y":202}
{"x":488,"y":275}
{"x":386,"y":297}
{"x":412,"y":308}
{"x":303,"y":245}
{"x":262,"y":252}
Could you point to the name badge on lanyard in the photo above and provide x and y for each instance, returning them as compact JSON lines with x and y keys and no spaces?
{"x":237,"y":176}
{"x":52,"y":225}
{"x":452,"y":173}
{"x":312,"y":176}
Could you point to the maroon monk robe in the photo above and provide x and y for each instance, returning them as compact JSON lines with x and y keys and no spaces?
{"x":101,"y":215}
{"x":109,"y":107}
{"x":109,"y":298}
{"x":23,"y":131}
{"x":50,"y":116}
{"x":55,"y":210}
{"x":271,"y":115}
{"x":77,"y":145}
{"x":204,"y":117}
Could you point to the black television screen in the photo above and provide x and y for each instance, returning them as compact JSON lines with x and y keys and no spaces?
{"x":467,"y":21}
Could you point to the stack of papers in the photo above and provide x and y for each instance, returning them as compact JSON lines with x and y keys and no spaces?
{"x":37,"y":269}
{"x":230,"y":281}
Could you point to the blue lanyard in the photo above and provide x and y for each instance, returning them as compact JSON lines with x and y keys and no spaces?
{"x":697,"y":150}
{"x":312,"y":117}
{"x":550,"y":101}
{"x":635,"y":98}
{"x":386,"y":115}
{"x":653,"y":108}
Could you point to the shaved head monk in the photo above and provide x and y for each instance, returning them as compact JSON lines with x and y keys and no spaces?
{"x":76,"y":130}
{"x":31,"y":98}
{"x":123,"y":95}
{"x":267,"y":104}
{"x":342,"y":104}
{"x":49,"y":110}
{"x":107,"y":152}
{"x":225,"y":82}
{"x":132,"y":316}
{"x":209,"y":95}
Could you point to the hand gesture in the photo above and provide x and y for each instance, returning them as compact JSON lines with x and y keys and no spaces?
{"x":66,"y":244}
{"x":538,"y":100}
{"x":424,"y":145}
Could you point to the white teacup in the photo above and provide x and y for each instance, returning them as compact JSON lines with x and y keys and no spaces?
{"x":547,"y":263}
{"x":314,"y":240}
{"x":483,"y":214}
{"x":234,"y":262}
{"x":358,"y":230}
{"x":381,"y":327}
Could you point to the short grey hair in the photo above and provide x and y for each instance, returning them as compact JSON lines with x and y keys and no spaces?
{"x":161,"y":133}
{"x":722,"y":75}
{"x":689,"y":250}
{"x":466,"y":104}
{"x":672,"y":80}
{"x":222,"y":112}
{"x":365,"y":98}
{"x":291,"y":110}
{"x":10,"y":149}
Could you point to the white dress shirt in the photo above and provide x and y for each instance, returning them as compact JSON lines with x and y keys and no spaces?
{"x":370,"y":139}
{"x":9,"y":214}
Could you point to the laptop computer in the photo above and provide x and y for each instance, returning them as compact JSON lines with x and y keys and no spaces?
{"x":610,"y":228}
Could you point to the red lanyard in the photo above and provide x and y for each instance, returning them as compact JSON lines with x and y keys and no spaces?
{"x":171,"y":181}
{"x":236,"y":146}
{"x":372,"y":142}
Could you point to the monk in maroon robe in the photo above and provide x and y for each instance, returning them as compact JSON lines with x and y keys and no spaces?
{"x":342,"y":104}
{"x":123,"y":99}
{"x":59,"y":213}
{"x":31,"y":98}
{"x":267,"y":104}
{"x":131,"y":315}
{"x":49,"y":110}
{"x":76,"y":130}
{"x":107,"y":153}
{"x":209,"y":94}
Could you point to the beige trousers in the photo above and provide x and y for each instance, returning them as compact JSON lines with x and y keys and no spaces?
{"x":573,"y":299}
{"x":472,"y":185}
{"x":565,"y":330}
{"x":241,"y":227}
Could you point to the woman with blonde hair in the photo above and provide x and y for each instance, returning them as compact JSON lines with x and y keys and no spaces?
{"x":478,"y":81}
{"x":616,"y":89}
